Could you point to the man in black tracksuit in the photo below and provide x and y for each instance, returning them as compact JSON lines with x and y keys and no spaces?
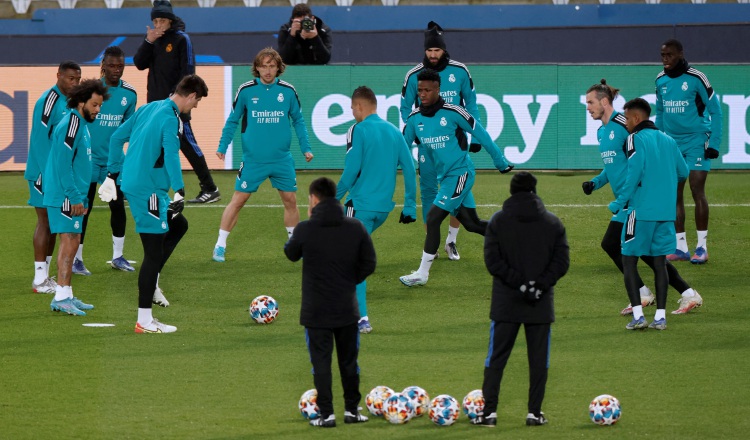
{"x":300,"y":46}
{"x":337,"y":255}
{"x":526,"y":251}
{"x":168,"y":55}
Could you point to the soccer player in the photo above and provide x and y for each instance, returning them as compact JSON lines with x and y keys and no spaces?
{"x":526,"y":252}
{"x":150,"y":167}
{"x":48,"y":111}
{"x":266,"y":105}
{"x":655,"y":165}
{"x":688,"y":110}
{"x":66,"y":179}
{"x":337,"y":255}
{"x":457,"y":88}
{"x":612,"y":136}
{"x":117,"y":109}
{"x":437,"y":125}
{"x":374,"y":151}
{"x":167,"y":53}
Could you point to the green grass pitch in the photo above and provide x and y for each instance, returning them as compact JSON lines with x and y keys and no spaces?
{"x":221,"y":376}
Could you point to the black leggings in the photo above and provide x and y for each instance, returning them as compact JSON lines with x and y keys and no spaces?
{"x":632,"y":284}
{"x":157,"y":248}
{"x":117,"y":218}
{"x":467,"y":216}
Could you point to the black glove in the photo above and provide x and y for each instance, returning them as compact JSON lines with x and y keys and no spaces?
{"x":588,"y":187}
{"x":406,"y":219}
{"x":530,"y":292}
{"x":507,"y":170}
{"x":711,"y":153}
{"x":178,"y":204}
{"x":475,"y":148}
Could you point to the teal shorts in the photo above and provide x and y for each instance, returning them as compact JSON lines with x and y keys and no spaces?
{"x":282,"y":175}
{"x":36,"y":196}
{"x":428,"y":184}
{"x":455,"y":192}
{"x":693,"y":149}
{"x":150,"y":213}
{"x":372,"y":220}
{"x":60,"y":220}
{"x":649,"y":238}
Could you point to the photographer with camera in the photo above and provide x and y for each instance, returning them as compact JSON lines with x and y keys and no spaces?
{"x":305,"y":39}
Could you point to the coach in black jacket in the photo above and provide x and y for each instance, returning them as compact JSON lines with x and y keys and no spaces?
{"x":337,"y":255}
{"x":526,"y":251}
{"x":299,"y":46}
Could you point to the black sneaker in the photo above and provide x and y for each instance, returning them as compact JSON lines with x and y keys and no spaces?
{"x":490,"y":421}
{"x":532,"y":420}
{"x":207,"y":197}
{"x":355,"y":417}
{"x":329,"y":422}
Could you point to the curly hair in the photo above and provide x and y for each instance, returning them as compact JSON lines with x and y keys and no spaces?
{"x":83,"y":92}
{"x":428,"y":75}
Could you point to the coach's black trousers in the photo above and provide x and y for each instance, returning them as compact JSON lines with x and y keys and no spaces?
{"x":320,"y":343}
{"x":194,"y":155}
{"x":117,"y":219}
{"x":502,"y":338}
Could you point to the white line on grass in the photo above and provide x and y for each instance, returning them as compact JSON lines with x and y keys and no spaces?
{"x":214,"y":205}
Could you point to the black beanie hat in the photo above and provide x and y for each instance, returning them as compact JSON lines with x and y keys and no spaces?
{"x":523,"y":182}
{"x":162,"y":9}
{"x":433,"y":36}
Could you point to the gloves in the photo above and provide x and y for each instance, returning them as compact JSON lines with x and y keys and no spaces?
{"x":530,"y":292}
{"x":108,"y":190}
{"x":178,"y":203}
{"x":475,"y":148}
{"x":614,"y":208}
{"x":406,"y":219}
{"x":711,"y":153}
{"x":588,"y":187}
{"x":507,"y":170}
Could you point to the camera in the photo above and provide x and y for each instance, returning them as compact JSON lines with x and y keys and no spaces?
{"x":308,"y":24}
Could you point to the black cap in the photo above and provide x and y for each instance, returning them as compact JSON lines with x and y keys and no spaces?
{"x":433,"y":36}
{"x":523,"y":182}
{"x":162,"y":9}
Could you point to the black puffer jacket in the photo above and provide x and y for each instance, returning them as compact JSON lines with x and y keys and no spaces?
{"x":297,"y":50}
{"x":524,"y":242}
{"x":168,"y":60}
{"x":337,"y":255}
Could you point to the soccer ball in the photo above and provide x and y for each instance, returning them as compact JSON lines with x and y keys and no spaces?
{"x":419,"y":399}
{"x":264,"y":309}
{"x":308,"y":404}
{"x":398,"y":409}
{"x":605,"y":410}
{"x":375,"y":399}
{"x":473,"y":404}
{"x":444,"y":410}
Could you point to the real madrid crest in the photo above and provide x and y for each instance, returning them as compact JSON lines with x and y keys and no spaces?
{"x":169,"y":48}
{"x":124,"y":101}
{"x":280,"y":98}
{"x":684,"y":86}
{"x":452,"y":78}
{"x":443,"y":122}
{"x":611,"y":135}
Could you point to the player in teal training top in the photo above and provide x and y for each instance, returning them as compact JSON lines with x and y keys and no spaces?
{"x":437,"y":125}
{"x":66,"y":180}
{"x":374,"y":151}
{"x":117,"y":109}
{"x":612,"y":136}
{"x":655,"y":166}
{"x":150,"y":168}
{"x":456,"y":88}
{"x":265,"y":105}
{"x":688,"y":110}
{"x":48,"y":111}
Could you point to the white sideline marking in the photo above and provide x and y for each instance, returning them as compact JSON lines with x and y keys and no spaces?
{"x":215,"y":205}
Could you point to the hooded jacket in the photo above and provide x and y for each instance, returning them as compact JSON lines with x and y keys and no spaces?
{"x":524,"y":242}
{"x":168,"y":59}
{"x":337,"y":255}
{"x":297,"y":50}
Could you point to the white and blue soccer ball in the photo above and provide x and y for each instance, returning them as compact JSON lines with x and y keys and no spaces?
{"x":444,"y":410}
{"x":263,"y":309}
{"x":605,"y":410}
{"x":375,"y":399}
{"x":308,"y":405}
{"x":419,"y":399}
{"x":473,"y":404}
{"x":398,"y":409}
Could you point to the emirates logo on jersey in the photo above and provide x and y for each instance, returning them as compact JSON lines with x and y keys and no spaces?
{"x":280,"y":98}
{"x":452,"y":78}
{"x":169,"y":48}
{"x":443,"y":122}
{"x":612,"y":135}
{"x":684,"y":86}
{"x":124,"y":101}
